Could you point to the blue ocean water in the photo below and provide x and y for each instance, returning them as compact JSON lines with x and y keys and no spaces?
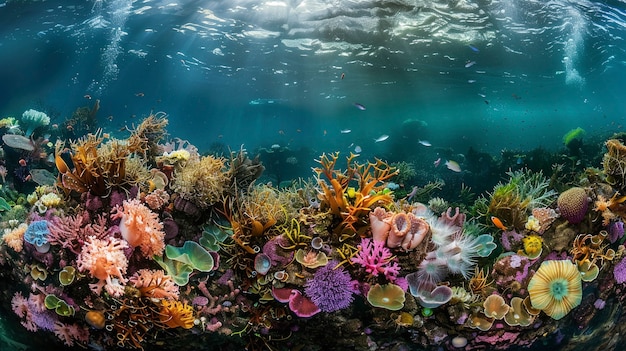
{"x":490,"y":75}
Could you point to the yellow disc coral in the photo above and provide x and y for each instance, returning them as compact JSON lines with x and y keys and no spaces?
{"x":556,"y":288}
{"x":389,"y":296}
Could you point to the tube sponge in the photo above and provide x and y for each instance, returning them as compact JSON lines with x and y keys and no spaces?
{"x":32,"y":119}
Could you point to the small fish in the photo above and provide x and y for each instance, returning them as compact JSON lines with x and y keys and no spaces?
{"x":469,"y":64}
{"x":87,"y":96}
{"x":381,"y":138}
{"x":359,"y":106}
{"x":357,"y":149}
{"x":474,"y":49}
{"x":437,"y":162}
{"x":345,"y":131}
{"x":139,"y":94}
{"x":343,"y":75}
{"x":424,"y":142}
{"x":471,"y":81}
{"x":453,"y":166}
{"x":498,"y":223}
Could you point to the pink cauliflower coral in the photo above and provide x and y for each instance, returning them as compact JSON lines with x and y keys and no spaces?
{"x":141,"y":227}
{"x":376,"y":258}
{"x":105,"y":260}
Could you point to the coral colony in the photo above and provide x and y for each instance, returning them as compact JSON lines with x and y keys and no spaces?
{"x":139,"y":242}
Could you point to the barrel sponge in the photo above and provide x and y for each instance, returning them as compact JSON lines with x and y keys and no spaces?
{"x":573,"y":204}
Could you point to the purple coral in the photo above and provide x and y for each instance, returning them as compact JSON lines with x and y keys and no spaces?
{"x":616,"y":231}
{"x":619,"y":272}
{"x":376,"y":258}
{"x":330,"y":289}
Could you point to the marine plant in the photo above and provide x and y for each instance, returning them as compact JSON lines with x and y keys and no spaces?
{"x":202,"y":182}
{"x":614,"y":163}
{"x":511,"y":201}
{"x":574,"y":134}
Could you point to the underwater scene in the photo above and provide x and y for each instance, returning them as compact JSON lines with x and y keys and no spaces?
{"x":312,"y":175}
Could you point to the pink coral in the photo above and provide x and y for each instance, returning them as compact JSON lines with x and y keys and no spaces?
{"x":154,"y":283}
{"x":141,"y":227}
{"x":71,"y":232}
{"x":376,"y":259}
{"x":104,"y":260}
{"x":157,"y":199}
{"x":68,"y":333}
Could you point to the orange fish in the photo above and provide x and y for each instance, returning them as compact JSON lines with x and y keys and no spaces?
{"x":498,"y":223}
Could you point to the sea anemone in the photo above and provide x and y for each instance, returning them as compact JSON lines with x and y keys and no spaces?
{"x":330,"y":289}
{"x":556,"y":288}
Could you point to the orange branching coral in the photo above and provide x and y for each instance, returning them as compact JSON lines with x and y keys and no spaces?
{"x":352,"y":205}
{"x":176,"y":314}
{"x":610,"y":209}
{"x":154,"y":284}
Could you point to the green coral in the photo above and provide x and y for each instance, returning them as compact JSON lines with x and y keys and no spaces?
{"x":574,"y":134}
{"x":61,"y":307}
{"x":179,"y":262}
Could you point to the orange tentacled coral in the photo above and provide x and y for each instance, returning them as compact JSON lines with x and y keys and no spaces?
{"x":353,"y":207}
{"x":176,"y":314}
{"x":154,"y":284}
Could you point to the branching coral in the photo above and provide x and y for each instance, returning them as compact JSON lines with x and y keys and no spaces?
{"x":94,"y":166}
{"x":104,"y":260}
{"x":71,"y":232}
{"x":352,"y":207}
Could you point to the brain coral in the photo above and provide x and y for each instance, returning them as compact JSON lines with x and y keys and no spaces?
{"x":573,"y":204}
{"x":202,"y":182}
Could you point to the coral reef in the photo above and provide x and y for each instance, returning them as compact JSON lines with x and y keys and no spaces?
{"x":142,"y":243}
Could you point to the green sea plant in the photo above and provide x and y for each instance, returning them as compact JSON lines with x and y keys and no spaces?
{"x":59,"y":306}
{"x":192,"y":254}
{"x":213,"y":235}
{"x":4,"y":205}
{"x":179,"y":262}
{"x":511,"y":201}
{"x":67,"y":275}
{"x":574,"y":134}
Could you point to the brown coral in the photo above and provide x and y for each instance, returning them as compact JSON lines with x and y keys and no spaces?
{"x":202,"y":182}
{"x":614,"y":163}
